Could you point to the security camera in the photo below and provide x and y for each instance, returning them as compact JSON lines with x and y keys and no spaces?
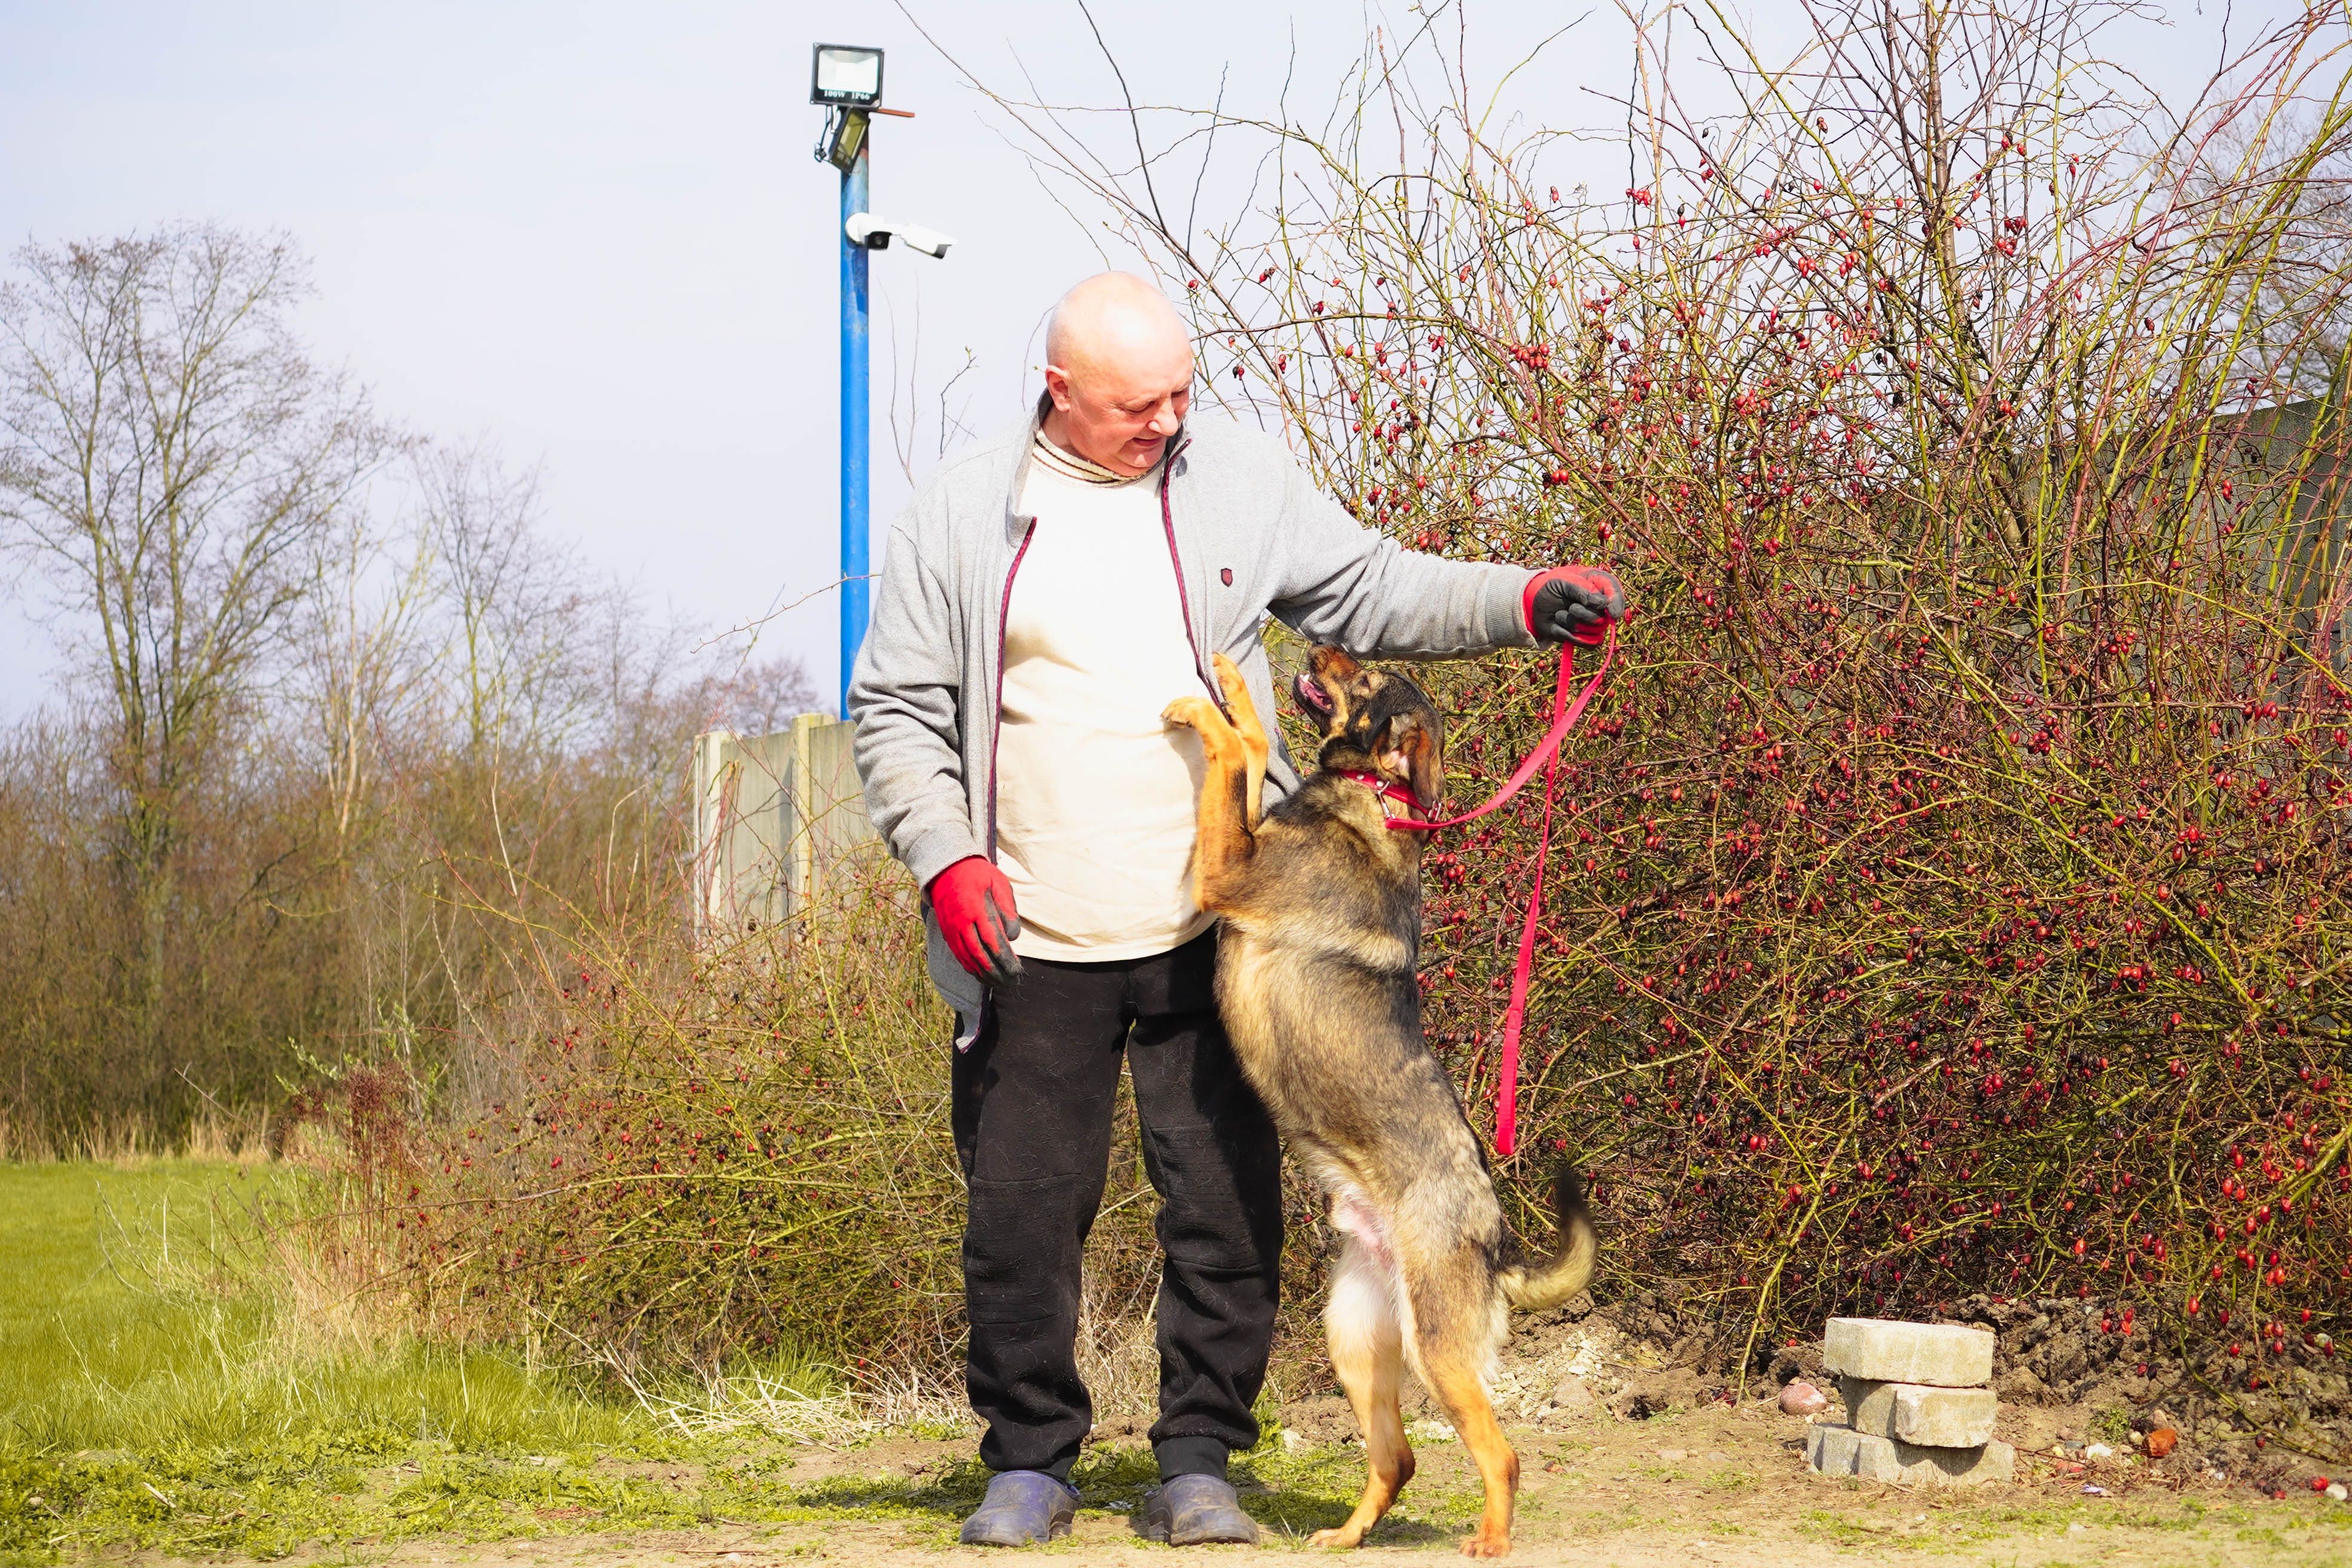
{"x":876,"y":234}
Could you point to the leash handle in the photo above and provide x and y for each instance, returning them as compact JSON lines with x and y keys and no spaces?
{"x":1564,"y":717}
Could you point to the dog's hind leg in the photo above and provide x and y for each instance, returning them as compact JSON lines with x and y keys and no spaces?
{"x":1455,"y":1334}
{"x":1368,"y":1352}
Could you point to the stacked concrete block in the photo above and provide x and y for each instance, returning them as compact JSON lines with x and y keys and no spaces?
{"x":1918,"y":1410}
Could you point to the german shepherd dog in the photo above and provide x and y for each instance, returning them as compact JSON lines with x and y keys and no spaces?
{"x":1317,"y":982}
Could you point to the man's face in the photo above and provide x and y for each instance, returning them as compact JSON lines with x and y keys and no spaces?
{"x":1119,"y":410}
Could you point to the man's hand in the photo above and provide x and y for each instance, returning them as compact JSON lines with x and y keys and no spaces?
{"x":1574,"y":604}
{"x":973,"y":903}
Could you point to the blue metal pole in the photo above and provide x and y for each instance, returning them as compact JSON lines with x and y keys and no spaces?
{"x":856,"y":409}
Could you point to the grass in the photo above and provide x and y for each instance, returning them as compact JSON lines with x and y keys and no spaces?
{"x":161,"y":1385}
{"x":135,"y":1315}
{"x":75,"y":1336}
{"x":169,"y":1381}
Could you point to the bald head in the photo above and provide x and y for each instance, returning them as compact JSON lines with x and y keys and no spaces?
{"x":1116,"y":318}
{"x":1119,"y":371}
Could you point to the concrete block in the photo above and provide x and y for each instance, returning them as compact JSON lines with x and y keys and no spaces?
{"x":1883,"y":1351}
{"x":1843,"y":1451}
{"x":1917,"y":1413}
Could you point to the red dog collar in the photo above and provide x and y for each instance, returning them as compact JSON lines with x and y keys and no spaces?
{"x":1387,"y":791}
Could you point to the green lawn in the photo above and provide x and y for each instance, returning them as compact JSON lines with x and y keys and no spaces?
{"x":157,"y":1385}
{"x":139,"y":1311}
{"x":97,"y":1349}
{"x":163,"y":1385}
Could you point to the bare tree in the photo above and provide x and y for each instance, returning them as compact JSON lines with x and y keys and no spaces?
{"x":763,"y":695}
{"x":344,"y":703}
{"x":168,"y":457}
{"x":522,"y":613}
{"x":2282,"y":173}
{"x":364,"y":659}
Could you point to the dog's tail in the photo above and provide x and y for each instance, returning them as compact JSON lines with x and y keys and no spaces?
{"x":1569,"y":1267}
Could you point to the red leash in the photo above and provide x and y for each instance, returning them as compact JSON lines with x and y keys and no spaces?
{"x":1564,"y":715}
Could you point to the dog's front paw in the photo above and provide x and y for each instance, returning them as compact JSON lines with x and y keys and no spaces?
{"x":1193,"y":712}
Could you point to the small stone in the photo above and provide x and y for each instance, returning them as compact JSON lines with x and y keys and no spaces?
{"x":1801,"y":1398}
{"x":2335,"y":1489}
{"x":2020,"y":1386}
{"x":1884,"y":1351}
{"x":1674,"y":1456}
{"x":1919,"y":1412}
{"x":1571,"y":1393}
{"x":2160,"y":1442}
{"x":2098,"y":1451}
{"x":1843,"y":1451}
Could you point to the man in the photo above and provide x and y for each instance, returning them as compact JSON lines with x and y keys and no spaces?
{"x":1041,"y":599}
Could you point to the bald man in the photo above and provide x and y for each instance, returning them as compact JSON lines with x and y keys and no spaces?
{"x":1041,"y":599}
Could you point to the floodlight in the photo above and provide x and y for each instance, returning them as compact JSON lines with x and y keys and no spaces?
{"x":847,"y":76}
{"x":843,"y":137}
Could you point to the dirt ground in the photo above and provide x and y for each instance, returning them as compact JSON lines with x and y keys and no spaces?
{"x":1629,"y":1455}
{"x":1711,"y":1486}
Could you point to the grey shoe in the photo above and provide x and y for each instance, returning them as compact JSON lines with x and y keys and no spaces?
{"x":1022,"y":1508}
{"x":1196,"y":1510}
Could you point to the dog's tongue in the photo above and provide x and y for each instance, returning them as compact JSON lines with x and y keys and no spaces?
{"x":1310,"y":694}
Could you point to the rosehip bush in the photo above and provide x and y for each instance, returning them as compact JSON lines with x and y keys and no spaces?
{"x":1948,"y":891}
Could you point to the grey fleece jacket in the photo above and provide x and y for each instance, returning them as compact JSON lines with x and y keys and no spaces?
{"x":1248,"y":536}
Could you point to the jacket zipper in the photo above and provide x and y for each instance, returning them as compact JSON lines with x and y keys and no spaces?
{"x":996,"y":708}
{"x":1176,"y":559}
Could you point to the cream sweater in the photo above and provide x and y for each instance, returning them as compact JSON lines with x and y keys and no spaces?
{"x":1095,"y":793}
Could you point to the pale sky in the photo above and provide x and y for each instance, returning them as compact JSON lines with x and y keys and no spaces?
{"x":595,"y":234}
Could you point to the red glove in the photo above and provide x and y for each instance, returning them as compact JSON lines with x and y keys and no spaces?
{"x":974,"y":904}
{"x":1574,"y":604}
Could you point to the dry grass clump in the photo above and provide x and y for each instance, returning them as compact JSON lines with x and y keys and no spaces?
{"x":129,"y":1139}
{"x":739,"y":1163}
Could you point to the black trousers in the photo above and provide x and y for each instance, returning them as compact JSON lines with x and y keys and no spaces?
{"x":1033,"y":1115}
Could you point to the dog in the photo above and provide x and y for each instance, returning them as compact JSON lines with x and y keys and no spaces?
{"x":1317,"y":983}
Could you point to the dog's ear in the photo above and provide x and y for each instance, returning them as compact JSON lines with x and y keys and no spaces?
{"x":1409,"y":745}
{"x":1331,"y":663}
